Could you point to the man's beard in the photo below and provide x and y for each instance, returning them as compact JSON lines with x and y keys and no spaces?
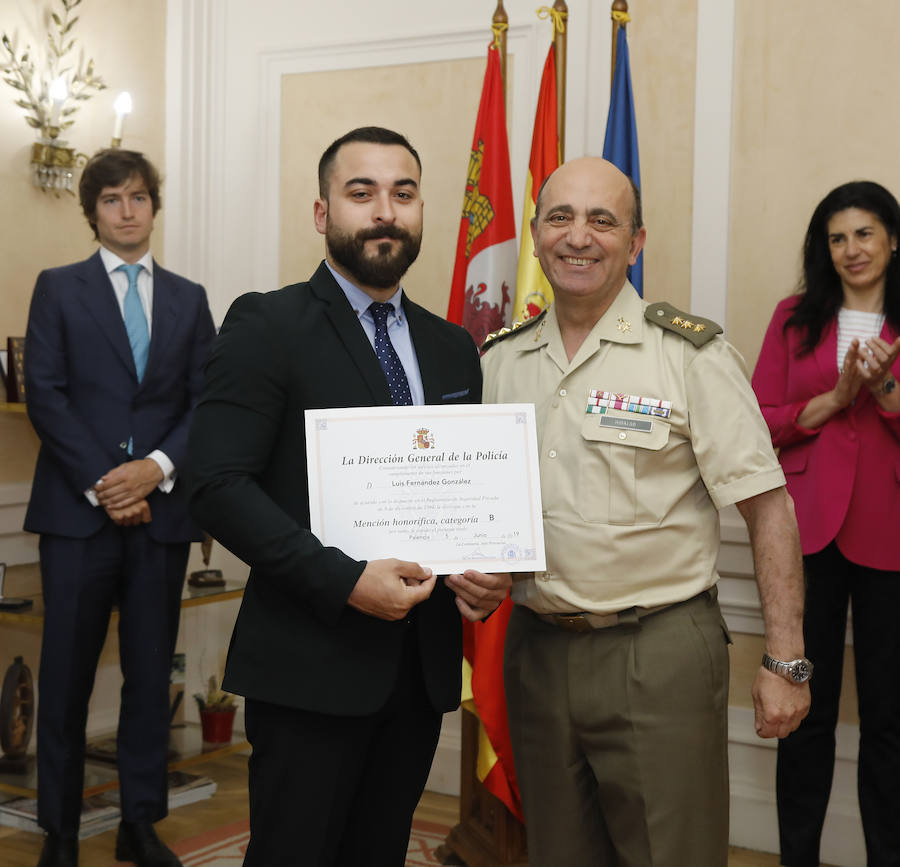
{"x":381,"y":271}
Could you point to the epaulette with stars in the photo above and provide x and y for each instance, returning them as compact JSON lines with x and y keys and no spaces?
{"x":496,"y":336}
{"x":696,"y":329}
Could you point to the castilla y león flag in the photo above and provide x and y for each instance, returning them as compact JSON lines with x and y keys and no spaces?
{"x":485,"y":269}
{"x":480,"y":300}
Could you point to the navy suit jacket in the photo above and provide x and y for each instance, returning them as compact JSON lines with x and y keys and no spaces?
{"x":296,"y":642}
{"x":85,"y":401}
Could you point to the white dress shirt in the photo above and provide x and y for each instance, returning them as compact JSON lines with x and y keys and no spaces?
{"x":119,"y":280}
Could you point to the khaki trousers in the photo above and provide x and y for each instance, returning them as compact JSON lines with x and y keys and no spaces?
{"x":620,"y":738}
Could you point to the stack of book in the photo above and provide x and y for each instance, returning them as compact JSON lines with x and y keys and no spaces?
{"x":101,"y":812}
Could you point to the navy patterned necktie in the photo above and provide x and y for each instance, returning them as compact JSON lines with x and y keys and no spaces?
{"x":136,"y":320}
{"x":387,"y":356}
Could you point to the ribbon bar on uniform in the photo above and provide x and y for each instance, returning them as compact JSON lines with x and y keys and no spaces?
{"x":600,"y":401}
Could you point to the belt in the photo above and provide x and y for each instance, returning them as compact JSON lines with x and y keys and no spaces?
{"x":582,"y":621}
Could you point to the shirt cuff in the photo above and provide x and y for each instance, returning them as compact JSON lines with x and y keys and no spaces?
{"x":168,"y":470}
{"x":749,"y":486}
{"x":91,"y":495}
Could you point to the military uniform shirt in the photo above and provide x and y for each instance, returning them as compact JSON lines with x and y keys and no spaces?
{"x":630,"y":500}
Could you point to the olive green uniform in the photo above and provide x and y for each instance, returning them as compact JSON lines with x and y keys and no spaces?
{"x":619,"y":731}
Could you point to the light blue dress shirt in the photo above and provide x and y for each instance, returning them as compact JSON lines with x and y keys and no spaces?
{"x":398,"y":331}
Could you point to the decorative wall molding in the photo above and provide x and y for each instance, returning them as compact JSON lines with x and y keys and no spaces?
{"x":419,"y":48}
{"x":713,"y":102}
{"x":223,"y":105}
{"x":195,"y":47}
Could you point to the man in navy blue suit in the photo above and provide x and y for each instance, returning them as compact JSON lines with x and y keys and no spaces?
{"x":115,"y":347}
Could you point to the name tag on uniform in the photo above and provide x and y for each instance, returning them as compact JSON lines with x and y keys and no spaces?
{"x":625,"y":423}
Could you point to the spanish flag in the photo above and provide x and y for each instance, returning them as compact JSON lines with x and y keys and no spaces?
{"x":533,"y":292}
{"x":483,"y":693}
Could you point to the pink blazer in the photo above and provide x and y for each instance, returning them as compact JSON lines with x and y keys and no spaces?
{"x":844,"y":477}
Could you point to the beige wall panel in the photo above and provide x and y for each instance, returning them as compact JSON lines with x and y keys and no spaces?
{"x":127,"y":42}
{"x":433,"y":104}
{"x":662,"y":42}
{"x":18,"y":446}
{"x":815,"y":88}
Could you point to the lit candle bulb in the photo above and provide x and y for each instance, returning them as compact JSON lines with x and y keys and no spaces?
{"x":122,"y":107}
{"x":58,"y":94}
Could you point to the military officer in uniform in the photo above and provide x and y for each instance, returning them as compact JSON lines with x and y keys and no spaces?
{"x":616,"y":662}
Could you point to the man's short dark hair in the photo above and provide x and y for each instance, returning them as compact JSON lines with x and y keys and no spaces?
{"x":112,"y":167}
{"x":369,"y":135}
{"x":637,"y":211}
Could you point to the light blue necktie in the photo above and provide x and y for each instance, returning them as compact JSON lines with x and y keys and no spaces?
{"x":387,"y":356}
{"x":136,"y":320}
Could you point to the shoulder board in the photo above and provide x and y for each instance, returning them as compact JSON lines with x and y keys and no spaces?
{"x":496,"y":336}
{"x":696,"y":329}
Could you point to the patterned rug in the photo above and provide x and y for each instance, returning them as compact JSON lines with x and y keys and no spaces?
{"x":225,"y":846}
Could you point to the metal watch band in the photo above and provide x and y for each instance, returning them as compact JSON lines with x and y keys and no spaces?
{"x":796,"y":671}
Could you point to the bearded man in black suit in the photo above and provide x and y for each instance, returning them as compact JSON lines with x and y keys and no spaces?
{"x":347,"y":666}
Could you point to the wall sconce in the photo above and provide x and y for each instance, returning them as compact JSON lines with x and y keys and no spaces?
{"x":51,"y":97}
{"x":121,"y":107}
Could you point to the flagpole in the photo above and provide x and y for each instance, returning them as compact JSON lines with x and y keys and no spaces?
{"x":620,"y":17}
{"x":500,"y":24}
{"x":559,"y":43}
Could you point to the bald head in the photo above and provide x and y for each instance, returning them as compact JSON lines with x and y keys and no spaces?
{"x":584,"y":234}
{"x":595,"y":171}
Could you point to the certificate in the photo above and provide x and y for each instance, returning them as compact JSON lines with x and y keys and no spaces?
{"x":451,"y":487}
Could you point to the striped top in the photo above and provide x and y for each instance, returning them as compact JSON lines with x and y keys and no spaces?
{"x":858,"y":324}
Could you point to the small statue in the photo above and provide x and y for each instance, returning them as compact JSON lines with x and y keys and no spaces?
{"x":16,"y":717}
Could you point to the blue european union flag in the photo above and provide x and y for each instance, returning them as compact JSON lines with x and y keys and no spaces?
{"x":621,"y":145}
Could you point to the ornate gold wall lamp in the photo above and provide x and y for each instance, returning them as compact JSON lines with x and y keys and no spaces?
{"x":52,"y":94}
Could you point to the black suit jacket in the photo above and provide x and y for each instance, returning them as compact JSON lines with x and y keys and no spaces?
{"x":296,"y":642}
{"x":85,"y":401}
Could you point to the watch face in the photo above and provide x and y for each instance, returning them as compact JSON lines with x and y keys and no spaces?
{"x":800,"y":671}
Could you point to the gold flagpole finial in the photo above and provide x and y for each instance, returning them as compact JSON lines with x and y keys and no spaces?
{"x":498,"y":28}
{"x":558,"y":16}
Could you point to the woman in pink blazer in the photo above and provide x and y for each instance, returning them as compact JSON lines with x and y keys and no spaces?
{"x":826,"y":382}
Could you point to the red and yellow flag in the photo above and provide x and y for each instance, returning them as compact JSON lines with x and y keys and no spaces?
{"x":485,"y":268}
{"x":533,"y":292}
{"x":483,"y":692}
{"x":480,"y":300}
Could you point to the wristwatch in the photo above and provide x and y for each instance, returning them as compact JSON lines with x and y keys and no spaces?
{"x":888,"y":385}
{"x":796,"y":671}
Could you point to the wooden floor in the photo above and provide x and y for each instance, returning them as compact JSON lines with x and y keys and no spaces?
{"x":21,"y":849}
